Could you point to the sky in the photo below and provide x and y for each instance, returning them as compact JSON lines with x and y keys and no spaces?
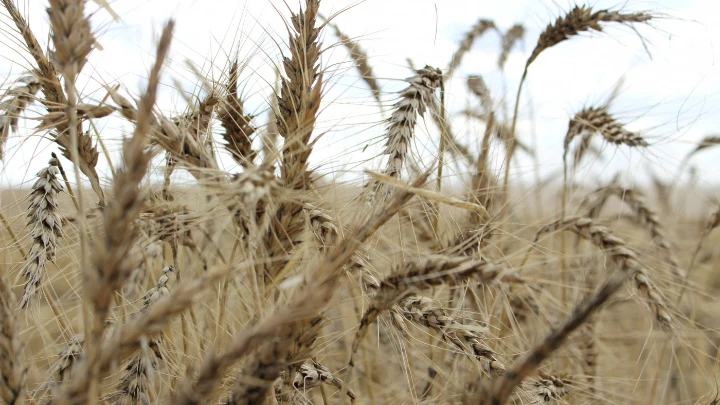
{"x":670,"y":89}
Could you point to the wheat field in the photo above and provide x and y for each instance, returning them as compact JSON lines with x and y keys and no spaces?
{"x":142,"y":268}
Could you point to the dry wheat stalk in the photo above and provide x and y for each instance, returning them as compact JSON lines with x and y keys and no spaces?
{"x":401,"y":124}
{"x":12,"y":367}
{"x":238,"y":126}
{"x":428,"y":313}
{"x":134,"y":385}
{"x":360,"y":57}
{"x":483,"y":182}
{"x":509,"y":39}
{"x":15,"y":102}
{"x":477,"y":30}
{"x":621,"y":254}
{"x":45,"y":225}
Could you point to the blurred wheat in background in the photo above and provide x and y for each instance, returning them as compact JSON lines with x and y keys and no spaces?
{"x":206,"y":252}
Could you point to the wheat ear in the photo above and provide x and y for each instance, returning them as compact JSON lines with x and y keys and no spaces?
{"x":477,"y":30}
{"x":17,"y":99}
{"x":551,"y":388}
{"x":312,"y":374}
{"x":504,"y":387}
{"x":298,"y":105}
{"x":111,"y":264}
{"x":509,"y":39}
{"x":423,"y":274}
{"x":45,"y":226}
{"x":61,"y":371}
{"x":428,"y":313}
{"x":401,"y":124}
{"x":621,"y":254}
{"x":73,"y":42}
{"x":360,"y":58}
{"x":134,"y":385}
{"x":238,"y":126}
{"x":12,"y":369}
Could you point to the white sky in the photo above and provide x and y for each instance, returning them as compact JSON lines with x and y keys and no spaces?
{"x":673,"y":98}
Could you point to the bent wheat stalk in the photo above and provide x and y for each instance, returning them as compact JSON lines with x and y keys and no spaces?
{"x":579,"y":19}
